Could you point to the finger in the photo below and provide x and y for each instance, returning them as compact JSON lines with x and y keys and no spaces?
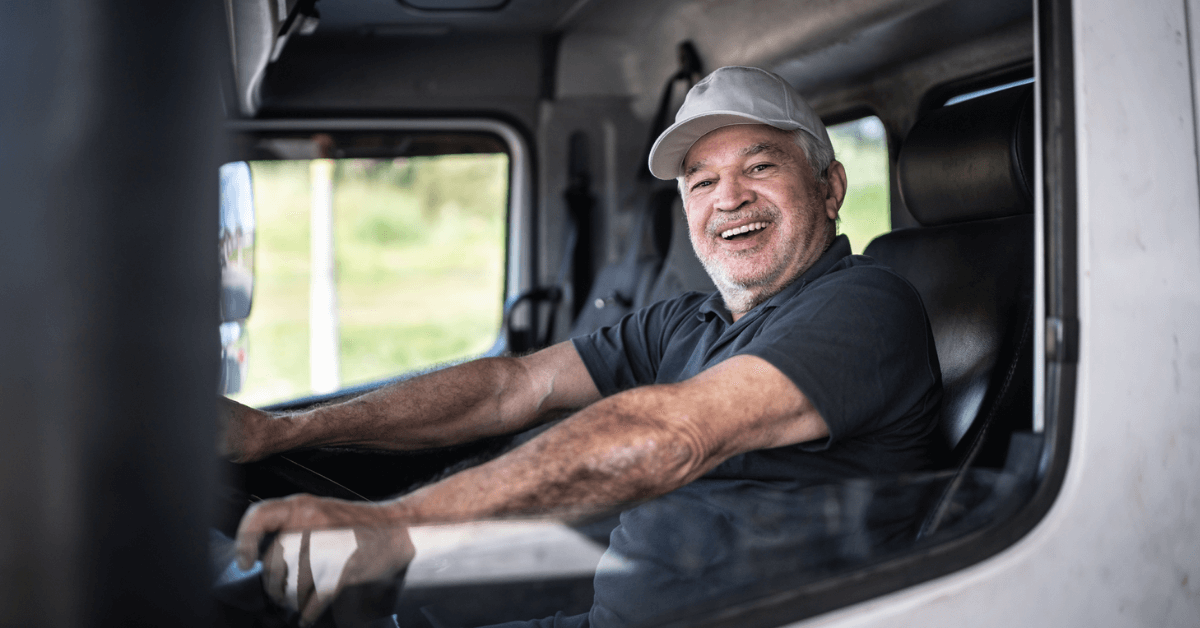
{"x":331,"y":552}
{"x":275,"y":572}
{"x":317,"y":603}
{"x":387,"y":552}
{"x":262,"y":518}
{"x":303,"y":592}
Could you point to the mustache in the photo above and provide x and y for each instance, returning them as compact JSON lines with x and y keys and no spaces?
{"x":752,"y":214}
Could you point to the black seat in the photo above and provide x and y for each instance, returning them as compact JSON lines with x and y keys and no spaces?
{"x":658,"y":265}
{"x":966,"y":173}
{"x":681,"y":270}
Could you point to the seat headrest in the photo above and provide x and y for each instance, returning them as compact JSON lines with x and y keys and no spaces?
{"x":971,"y":161}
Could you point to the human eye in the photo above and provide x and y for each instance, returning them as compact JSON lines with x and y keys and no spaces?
{"x":761,"y":167}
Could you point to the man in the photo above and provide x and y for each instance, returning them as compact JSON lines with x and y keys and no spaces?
{"x":810,"y":366}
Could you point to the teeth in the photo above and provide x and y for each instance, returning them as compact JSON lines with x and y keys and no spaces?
{"x":754,"y":226}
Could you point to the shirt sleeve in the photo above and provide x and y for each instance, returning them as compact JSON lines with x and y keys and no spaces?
{"x":860,"y":348}
{"x":628,"y":354}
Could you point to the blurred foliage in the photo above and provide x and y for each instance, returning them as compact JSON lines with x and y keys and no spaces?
{"x":862,"y":148}
{"x":420,"y":267}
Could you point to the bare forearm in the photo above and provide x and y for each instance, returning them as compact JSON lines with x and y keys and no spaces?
{"x":629,"y":447}
{"x":458,"y":404}
{"x":453,"y":405}
{"x":605,"y":456}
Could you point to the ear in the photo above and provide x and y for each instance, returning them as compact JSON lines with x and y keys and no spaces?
{"x":835,"y":190}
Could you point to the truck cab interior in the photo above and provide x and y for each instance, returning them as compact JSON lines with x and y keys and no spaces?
{"x":517,"y":133}
{"x":571,"y":93}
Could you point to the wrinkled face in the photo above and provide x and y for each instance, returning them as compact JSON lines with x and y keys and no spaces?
{"x":756,"y":215}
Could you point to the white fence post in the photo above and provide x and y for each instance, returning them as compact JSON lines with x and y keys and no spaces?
{"x":323,"y":353}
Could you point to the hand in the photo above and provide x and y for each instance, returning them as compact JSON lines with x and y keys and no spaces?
{"x":306,"y":571}
{"x":319,"y":551}
{"x":239,"y":431}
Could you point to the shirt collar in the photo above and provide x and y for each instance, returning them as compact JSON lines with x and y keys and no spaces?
{"x":840,"y":249}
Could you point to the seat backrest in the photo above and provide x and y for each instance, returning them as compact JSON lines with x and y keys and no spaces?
{"x":681,"y":270}
{"x":965,"y":173}
{"x":660,"y":264}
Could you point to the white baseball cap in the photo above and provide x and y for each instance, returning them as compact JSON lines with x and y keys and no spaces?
{"x":728,"y":96}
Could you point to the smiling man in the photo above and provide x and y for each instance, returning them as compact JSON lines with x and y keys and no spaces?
{"x":756,"y":217}
{"x":809,"y":366}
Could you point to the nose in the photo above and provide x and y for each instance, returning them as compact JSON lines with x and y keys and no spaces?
{"x":733,"y":194}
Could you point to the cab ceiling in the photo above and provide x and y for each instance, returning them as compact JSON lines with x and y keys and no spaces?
{"x":382,"y":54}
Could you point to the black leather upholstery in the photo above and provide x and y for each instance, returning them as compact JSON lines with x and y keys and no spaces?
{"x":976,"y":280}
{"x":970,"y":161}
{"x":966,"y":173}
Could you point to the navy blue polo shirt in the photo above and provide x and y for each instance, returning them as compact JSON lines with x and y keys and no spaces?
{"x":850,"y":333}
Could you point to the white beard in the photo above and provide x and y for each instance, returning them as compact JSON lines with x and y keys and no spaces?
{"x":741,"y":296}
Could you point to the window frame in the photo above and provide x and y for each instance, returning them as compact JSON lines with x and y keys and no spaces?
{"x":519,"y":223}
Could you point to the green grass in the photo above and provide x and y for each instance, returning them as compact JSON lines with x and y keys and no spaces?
{"x":420,"y":249}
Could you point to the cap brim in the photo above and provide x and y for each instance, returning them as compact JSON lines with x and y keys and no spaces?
{"x":666,"y":156}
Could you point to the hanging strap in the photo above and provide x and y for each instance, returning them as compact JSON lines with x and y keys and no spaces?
{"x":689,"y":72}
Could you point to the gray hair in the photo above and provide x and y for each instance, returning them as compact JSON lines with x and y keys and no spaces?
{"x":818,"y":154}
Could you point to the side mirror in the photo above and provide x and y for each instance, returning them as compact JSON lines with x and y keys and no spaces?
{"x":236,"y":250}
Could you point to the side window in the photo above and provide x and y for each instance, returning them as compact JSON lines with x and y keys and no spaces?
{"x":861,"y":146}
{"x":368,"y":268}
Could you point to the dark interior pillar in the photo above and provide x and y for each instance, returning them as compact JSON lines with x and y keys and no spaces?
{"x":109,"y":113}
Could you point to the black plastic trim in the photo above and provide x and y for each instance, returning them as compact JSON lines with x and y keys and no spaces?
{"x":938,"y":96}
{"x":454,"y":10}
{"x":1061,"y":239}
{"x":851,"y":114}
